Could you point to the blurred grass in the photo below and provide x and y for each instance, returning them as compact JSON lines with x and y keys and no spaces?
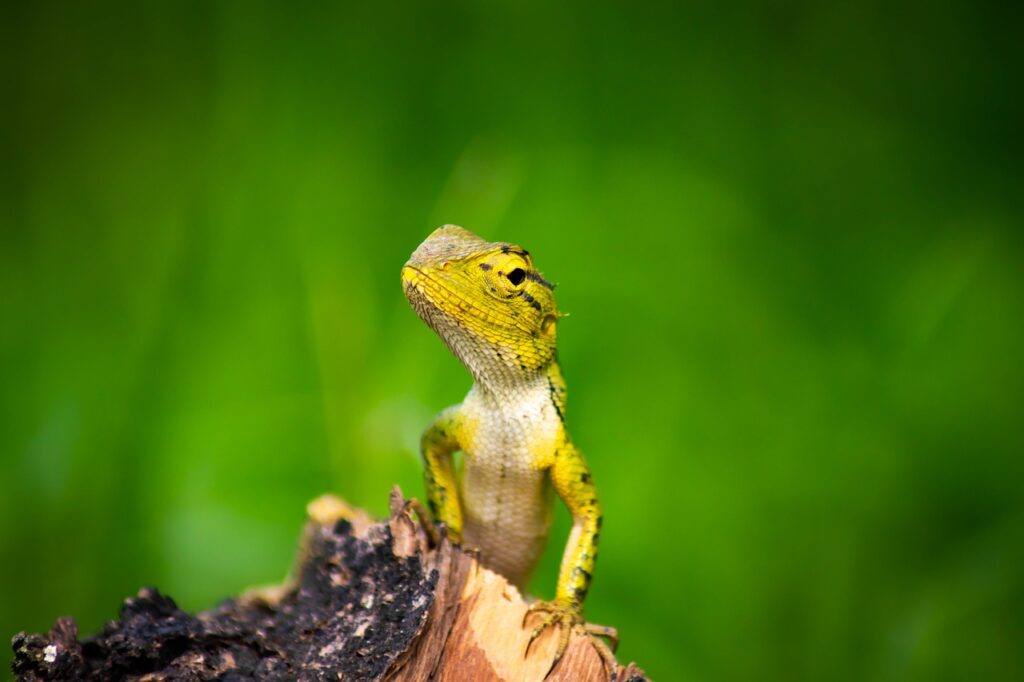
{"x":788,"y":236}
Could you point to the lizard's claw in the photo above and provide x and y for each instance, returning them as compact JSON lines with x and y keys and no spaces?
{"x":568,"y":619}
{"x":426,"y":521}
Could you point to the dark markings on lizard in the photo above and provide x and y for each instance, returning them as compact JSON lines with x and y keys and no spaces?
{"x":532,"y":301}
{"x":553,"y":392}
{"x":508,"y":248}
{"x":535,"y":277}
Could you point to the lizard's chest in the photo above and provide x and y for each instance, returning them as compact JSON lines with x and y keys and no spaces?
{"x":506,"y":455}
{"x":505,"y":489}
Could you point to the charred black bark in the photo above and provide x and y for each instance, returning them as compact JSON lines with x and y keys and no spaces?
{"x":357,"y":609}
{"x":371,"y":600}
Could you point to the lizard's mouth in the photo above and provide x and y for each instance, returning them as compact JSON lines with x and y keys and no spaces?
{"x":423,"y":289}
{"x":414,"y":283}
{"x":410,"y":274}
{"x":412,"y":277}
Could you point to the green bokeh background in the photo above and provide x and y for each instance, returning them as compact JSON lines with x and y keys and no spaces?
{"x":787,"y":234}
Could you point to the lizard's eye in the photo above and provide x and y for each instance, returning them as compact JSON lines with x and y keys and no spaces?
{"x":516,"y":276}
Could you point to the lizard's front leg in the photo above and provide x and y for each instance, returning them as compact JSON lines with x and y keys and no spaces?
{"x":573,"y":483}
{"x":436,"y":446}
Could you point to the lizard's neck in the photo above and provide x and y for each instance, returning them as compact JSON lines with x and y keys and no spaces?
{"x":506,"y":387}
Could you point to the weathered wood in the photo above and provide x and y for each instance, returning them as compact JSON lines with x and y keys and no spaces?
{"x":369,"y":600}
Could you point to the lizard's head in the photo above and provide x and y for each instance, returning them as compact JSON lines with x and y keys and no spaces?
{"x":485,"y":300}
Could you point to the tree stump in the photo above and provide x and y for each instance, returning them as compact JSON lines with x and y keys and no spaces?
{"x":368,"y":601}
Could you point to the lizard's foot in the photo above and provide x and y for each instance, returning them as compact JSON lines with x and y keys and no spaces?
{"x":568,"y":619}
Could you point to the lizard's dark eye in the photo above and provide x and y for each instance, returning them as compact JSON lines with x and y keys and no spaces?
{"x":516,"y":276}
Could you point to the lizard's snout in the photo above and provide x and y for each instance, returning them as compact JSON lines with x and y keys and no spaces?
{"x":413,"y":285}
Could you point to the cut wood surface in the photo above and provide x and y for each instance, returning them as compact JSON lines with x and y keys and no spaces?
{"x":370,"y":600}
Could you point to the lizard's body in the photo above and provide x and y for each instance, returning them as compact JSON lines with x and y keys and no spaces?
{"x":498,"y":316}
{"x":506,"y":496}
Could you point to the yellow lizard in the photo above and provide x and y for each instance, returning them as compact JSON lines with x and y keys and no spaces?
{"x":497,"y":314}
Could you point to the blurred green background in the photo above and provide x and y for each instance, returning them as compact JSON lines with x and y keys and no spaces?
{"x":788,"y":235}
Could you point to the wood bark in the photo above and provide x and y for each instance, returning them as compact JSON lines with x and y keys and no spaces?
{"x":369,"y":601}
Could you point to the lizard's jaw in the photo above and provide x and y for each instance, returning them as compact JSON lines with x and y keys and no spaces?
{"x":490,"y":364}
{"x":419,"y":291}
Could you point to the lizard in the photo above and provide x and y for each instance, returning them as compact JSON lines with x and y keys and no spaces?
{"x":498,"y":315}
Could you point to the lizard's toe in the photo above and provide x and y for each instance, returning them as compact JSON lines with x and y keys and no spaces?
{"x":605,"y":631}
{"x":568,"y":619}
